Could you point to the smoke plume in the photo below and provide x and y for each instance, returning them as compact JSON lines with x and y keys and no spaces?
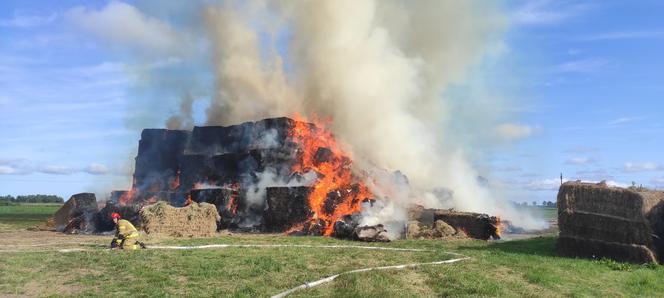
{"x":381,"y":70}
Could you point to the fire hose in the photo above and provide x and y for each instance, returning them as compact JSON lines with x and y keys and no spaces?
{"x":328,"y":279}
{"x":312,"y":284}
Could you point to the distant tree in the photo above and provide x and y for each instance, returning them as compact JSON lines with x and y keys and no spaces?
{"x":39,"y":199}
{"x":7,"y":198}
{"x":534,"y":203}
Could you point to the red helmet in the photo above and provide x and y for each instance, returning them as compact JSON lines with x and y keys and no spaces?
{"x":115,"y":215}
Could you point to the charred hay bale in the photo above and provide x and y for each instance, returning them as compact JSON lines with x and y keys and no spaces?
{"x":224,"y":199}
{"x":195,"y":220}
{"x":474,"y":225}
{"x":80,"y":208}
{"x":158,"y":159}
{"x":345,"y":227}
{"x":602,"y":221}
{"x":286,"y":207}
{"x":422,"y":215}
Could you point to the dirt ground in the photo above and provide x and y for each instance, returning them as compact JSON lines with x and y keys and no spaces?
{"x":24,"y":240}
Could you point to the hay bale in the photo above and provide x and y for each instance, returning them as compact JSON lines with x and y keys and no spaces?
{"x":595,"y":249}
{"x":474,"y":225}
{"x":442,"y":230}
{"x":438,"y":230}
{"x":596,"y":220}
{"x":286,"y":207}
{"x":195,"y":220}
{"x":79,"y":209}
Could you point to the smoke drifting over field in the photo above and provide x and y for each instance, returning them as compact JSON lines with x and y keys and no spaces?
{"x":378,"y":69}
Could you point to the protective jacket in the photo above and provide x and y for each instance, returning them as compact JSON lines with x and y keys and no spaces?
{"x":126,"y":235}
{"x":125,"y":229}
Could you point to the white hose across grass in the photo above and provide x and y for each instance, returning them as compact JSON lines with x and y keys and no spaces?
{"x":319,"y":282}
{"x":312,"y":284}
{"x":315,"y":283}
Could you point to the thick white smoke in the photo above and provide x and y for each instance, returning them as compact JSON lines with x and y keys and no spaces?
{"x":379,"y":69}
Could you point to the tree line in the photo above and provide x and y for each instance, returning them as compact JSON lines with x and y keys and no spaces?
{"x":32,"y":199}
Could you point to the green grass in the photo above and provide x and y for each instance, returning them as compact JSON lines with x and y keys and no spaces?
{"x":517,"y":268}
{"x":25,"y":215}
{"x":523,"y":268}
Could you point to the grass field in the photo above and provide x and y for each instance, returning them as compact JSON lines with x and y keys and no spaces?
{"x":515,"y":268}
{"x":25,"y":215}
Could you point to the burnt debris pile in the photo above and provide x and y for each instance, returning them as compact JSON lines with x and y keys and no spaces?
{"x":598,"y":221}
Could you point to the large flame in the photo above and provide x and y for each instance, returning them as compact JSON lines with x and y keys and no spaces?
{"x":336,"y":192}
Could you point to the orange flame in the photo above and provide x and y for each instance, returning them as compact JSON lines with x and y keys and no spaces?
{"x":175,"y":182}
{"x":128,"y":196}
{"x":500,"y":226}
{"x":232,"y":202}
{"x":336,"y":192}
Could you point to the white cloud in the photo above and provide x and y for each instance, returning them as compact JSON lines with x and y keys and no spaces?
{"x":545,"y":12}
{"x":588,"y":65}
{"x":630,"y":167}
{"x":96,"y":169}
{"x":621,"y":121}
{"x":23,"y":167}
{"x":24,"y":21}
{"x":619,"y":35}
{"x":56,"y":170}
{"x":580,"y":161}
{"x":581,"y":149}
{"x":122,"y":25}
{"x":658,"y":181}
{"x":543,"y":184}
{"x":512,"y":131}
{"x":6,"y":170}
{"x":554,"y":184}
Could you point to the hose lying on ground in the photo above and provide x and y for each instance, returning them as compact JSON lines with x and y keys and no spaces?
{"x":312,"y":284}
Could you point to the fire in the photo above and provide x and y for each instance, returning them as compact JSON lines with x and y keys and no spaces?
{"x":128,"y":196}
{"x":232,"y":202}
{"x":336,"y":192}
{"x":175,"y":182}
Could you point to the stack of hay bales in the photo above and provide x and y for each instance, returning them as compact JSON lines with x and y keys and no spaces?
{"x":598,"y":221}
{"x":195,"y":220}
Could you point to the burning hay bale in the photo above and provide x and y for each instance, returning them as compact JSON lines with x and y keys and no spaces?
{"x":440,"y":223}
{"x":225,"y":199}
{"x":76,"y":214}
{"x":195,"y":220}
{"x":596,"y":220}
{"x":286,"y":207}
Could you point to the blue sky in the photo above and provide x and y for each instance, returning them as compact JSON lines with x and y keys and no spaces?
{"x":588,"y":78}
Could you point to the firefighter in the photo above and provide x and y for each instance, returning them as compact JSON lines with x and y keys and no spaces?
{"x":126,"y":235}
